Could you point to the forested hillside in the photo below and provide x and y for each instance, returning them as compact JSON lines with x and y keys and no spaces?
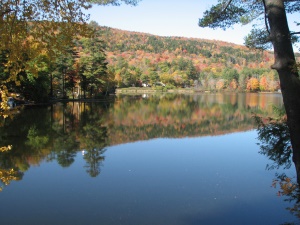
{"x":139,"y":58}
{"x":93,"y":66}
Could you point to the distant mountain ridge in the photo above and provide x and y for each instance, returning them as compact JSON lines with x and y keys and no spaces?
{"x":122,"y":40}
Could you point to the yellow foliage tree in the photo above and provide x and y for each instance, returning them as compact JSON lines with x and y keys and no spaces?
{"x":31,"y":30}
{"x":253,"y":84}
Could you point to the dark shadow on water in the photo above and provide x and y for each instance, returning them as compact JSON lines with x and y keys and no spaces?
{"x":275,"y":143}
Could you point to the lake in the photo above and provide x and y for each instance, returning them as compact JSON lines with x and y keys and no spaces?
{"x":141,"y":159}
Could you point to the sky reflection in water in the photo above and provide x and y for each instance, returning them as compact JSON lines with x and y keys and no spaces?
{"x":210,"y":180}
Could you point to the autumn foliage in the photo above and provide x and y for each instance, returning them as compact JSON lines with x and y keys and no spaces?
{"x":139,"y":58}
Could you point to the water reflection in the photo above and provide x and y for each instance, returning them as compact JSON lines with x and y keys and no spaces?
{"x":60,"y":131}
{"x":179,"y":116}
{"x":275,"y":143}
{"x":54,"y":133}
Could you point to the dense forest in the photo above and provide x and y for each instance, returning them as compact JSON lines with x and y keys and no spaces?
{"x":94,"y":66}
{"x":139,"y":58}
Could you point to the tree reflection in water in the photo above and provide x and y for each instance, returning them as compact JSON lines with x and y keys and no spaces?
{"x":275,"y":140}
{"x":8,"y":175}
{"x":274,"y":137}
{"x":94,"y":136}
{"x":59,"y":132}
{"x":94,"y":158}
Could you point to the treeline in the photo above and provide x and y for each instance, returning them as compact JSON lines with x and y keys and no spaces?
{"x":138,"y":58}
{"x":92,"y":67}
{"x":78,"y":70}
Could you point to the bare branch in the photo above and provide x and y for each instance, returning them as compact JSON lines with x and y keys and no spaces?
{"x":227,"y":5}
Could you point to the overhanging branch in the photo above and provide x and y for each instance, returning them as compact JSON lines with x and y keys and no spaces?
{"x":293,"y":33}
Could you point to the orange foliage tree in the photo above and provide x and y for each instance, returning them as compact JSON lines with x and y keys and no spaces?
{"x":263,"y":84}
{"x":253,"y":84}
{"x":233,"y":84}
{"x":220,"y":84}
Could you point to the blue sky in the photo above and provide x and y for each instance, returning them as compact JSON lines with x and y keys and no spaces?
{"x":166,"y":18}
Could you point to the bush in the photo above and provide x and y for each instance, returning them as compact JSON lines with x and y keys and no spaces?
{"x":169,"y":87}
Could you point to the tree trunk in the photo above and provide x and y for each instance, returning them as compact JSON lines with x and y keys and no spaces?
{"x":51,"y":85}
{"x":285,"y":64}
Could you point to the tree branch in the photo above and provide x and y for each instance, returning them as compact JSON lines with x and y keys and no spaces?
{"x":5,"y":12}
{"x":294,"y":33}
{"x":227,"y":5}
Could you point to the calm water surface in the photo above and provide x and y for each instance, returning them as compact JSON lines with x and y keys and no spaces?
{"x":158,"y":159}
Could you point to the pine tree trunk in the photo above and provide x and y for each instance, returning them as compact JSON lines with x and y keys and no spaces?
{"x":285,"y":64}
